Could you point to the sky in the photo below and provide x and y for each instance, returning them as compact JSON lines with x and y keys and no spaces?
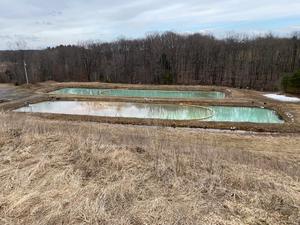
{"x":42,"y":23}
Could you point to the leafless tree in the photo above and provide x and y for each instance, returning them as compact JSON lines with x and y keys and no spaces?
{"x":256,"y":62}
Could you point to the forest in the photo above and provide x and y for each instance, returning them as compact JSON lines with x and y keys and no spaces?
{"x":241,"y":61}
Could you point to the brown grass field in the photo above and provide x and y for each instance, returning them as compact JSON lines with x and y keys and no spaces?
{"x":79,"y":172}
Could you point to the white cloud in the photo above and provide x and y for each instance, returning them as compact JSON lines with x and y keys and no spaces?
{"x":43,"y":23}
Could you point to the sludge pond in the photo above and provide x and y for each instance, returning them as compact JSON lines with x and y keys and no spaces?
{"x":156,"y":111}
{"x":141,"y":93}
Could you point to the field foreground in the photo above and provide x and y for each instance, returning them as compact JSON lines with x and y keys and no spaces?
{"x":60,"y":172}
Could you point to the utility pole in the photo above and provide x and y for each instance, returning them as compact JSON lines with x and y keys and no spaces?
{"x":25,"y":69}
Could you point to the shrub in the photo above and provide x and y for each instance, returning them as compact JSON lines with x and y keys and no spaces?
{"x":291,"y":84}
{"x":168,"y":78}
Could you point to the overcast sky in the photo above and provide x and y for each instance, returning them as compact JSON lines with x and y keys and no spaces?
{"x":43,"y":23}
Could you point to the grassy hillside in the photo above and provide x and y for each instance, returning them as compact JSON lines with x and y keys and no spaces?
{"x":89,"y":173}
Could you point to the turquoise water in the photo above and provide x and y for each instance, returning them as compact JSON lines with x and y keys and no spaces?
{"x":156,"y":111}
{"x":141,"y":93}
{"x":244,"y":114}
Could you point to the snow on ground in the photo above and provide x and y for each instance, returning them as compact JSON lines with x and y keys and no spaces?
{"x":282,"y":98}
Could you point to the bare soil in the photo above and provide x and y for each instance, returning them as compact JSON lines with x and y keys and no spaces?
{"x":10,"y":92}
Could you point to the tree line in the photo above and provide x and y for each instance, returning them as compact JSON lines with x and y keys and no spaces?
{"x":169,"y":58}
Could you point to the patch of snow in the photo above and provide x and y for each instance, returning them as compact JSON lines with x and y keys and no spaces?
{"x":282,"y":98}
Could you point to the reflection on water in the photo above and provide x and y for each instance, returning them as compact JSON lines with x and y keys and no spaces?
{"x":244,"y":114}
{"x":141,"y":93}
{"x":156,"y":111}
{"x":113,"y":109}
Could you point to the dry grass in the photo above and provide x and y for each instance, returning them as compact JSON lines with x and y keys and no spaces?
{"x":89,"y":173}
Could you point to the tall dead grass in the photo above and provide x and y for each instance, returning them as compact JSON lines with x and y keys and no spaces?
{"x":89,"y":173}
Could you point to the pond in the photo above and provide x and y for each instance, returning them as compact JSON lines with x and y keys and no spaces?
{"x":156,"y":111}
{"x":141,"y":93}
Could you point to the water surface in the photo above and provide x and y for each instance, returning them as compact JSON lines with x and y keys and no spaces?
{"x":156,"y":111}
{"x":141,"y":93}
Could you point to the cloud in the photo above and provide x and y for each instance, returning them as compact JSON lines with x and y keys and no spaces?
{"x":48,"y":23}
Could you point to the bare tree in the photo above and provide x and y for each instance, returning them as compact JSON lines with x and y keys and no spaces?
{"x":237,"y":60}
